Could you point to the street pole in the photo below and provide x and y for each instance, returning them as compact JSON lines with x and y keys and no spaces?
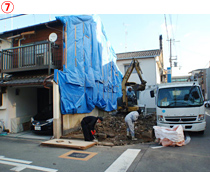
{"x":170,"y":59}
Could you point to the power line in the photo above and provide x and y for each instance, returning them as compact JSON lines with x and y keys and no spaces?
{"x":172,"y":31}
{"x":171,"y":26}
{"x":12,"y":16}
{"x":166,"y":27}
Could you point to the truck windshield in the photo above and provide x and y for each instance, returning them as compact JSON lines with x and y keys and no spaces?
{"x":180,"y":97}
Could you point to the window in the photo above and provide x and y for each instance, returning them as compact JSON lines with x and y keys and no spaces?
{"x":126,"y":68}
{"x":180,"y":97}
{"x":2,"y":91}
{"x":1,"y":99}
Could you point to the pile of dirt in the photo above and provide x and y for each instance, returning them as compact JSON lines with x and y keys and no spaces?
{"x":112,"y":131}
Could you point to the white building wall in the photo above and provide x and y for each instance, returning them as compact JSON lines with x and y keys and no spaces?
{"x":148,"y":67}
{"x":5,"y":45}
{"x":150,"y":74}
{"x":158,"y":81}
{"x":208,"y":83}
{"x":18,"y":109}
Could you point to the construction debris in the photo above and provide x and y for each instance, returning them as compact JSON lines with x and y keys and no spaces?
{"x":112,"y":131}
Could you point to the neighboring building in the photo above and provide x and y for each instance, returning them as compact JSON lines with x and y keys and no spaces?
{"x":152,"y":66}
{"x":203,"y":77}
{"x":180,"y":78}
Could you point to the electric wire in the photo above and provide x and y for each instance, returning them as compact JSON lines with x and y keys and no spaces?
{"x":12,"y":16}
{"x":172,"y":31}
{"x":166,"y":27}
{"x":166,"y":30}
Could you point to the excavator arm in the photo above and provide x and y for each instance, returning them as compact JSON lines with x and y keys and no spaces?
{"x":137,"y":87}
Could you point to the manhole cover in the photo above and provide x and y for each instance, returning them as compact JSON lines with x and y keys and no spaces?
{"x":78,"y":155}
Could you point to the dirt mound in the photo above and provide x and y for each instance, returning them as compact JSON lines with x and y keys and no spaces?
{"x":112,"y":131}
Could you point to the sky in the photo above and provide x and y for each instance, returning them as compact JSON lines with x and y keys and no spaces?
{"x":137,"y":32}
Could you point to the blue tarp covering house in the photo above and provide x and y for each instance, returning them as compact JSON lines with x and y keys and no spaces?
{"x":90,"y":76}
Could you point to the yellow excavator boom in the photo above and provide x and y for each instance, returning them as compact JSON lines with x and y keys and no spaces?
{"x":137,"y":87}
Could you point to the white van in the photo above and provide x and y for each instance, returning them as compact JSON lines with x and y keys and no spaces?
{"x":180,"y":104}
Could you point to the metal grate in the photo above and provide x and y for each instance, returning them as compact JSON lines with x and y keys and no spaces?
{"x":181,"y":118}
{"x":78,"y":155}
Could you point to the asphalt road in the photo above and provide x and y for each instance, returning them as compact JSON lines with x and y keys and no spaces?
{"x":192,"y":157}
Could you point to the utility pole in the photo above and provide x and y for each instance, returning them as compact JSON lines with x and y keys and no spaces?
{"x":170,"y":58}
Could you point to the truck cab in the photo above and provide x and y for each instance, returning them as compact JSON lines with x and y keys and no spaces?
{"x":180,"y":104}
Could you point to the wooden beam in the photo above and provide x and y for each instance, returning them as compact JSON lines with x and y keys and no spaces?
{"x":76,"y":144}
{"x":28,"y":33}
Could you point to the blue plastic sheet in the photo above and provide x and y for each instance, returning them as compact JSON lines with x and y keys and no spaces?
{"x":90,"y":76}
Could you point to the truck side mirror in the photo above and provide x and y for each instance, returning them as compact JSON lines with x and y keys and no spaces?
{"x":152,"y":93}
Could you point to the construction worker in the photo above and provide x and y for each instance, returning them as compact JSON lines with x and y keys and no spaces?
{"x":131,"y":95}
{"x":88,"y":124}
{"x":129,"y":120}
{"x":130,"y":92}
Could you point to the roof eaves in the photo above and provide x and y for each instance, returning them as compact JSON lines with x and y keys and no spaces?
{"x":140,"y":57}
{"x":39,"y":24}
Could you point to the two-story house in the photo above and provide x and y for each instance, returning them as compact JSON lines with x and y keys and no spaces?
{"x":28,"y":59}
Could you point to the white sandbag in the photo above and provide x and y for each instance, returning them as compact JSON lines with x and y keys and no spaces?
{"x":170,"y":136}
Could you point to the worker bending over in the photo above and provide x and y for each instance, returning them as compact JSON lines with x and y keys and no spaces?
{"x":88,"y":124}
{"x":129,"y":120}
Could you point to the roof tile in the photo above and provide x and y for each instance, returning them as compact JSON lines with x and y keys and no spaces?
{"x":139,"y":54}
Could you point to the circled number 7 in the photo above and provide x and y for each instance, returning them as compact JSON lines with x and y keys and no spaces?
{"x":8,"y":4}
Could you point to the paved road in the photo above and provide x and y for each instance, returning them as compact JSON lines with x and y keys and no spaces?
{"x":193,"y":157}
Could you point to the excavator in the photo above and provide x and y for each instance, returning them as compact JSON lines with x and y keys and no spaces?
{"x":123,"y":103}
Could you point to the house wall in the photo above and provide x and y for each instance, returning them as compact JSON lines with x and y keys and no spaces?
{"x":41,"y":34}
{"x":5,"y":45}
{"x":158,"y":77}
{"x":72,"y":122}
{"x":150,"y":74}
{"x":148,"y":67}
{"x":19,"y":108}
{"x":208,"y":83}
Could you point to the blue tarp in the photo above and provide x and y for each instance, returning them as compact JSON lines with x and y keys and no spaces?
{"x":90,"y":76}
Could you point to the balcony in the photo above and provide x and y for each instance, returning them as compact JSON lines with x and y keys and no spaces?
{"x":37,"y":56}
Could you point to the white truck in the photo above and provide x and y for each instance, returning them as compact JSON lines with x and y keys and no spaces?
{"x":180,"y":104}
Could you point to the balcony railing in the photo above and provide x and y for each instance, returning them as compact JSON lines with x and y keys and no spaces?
{"x":30,"y":57}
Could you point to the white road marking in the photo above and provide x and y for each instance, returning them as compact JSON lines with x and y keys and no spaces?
{"x":15,"y":160}
{"x":207,"y":113}
{"x":19,"y":168}
{"x":19,"y":165}
{"x":122,"y":163}
{"x":188,"y":138}
{"x":157,"y":147}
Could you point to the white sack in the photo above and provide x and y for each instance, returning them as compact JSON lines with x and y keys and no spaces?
{"x":170,"y":136}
